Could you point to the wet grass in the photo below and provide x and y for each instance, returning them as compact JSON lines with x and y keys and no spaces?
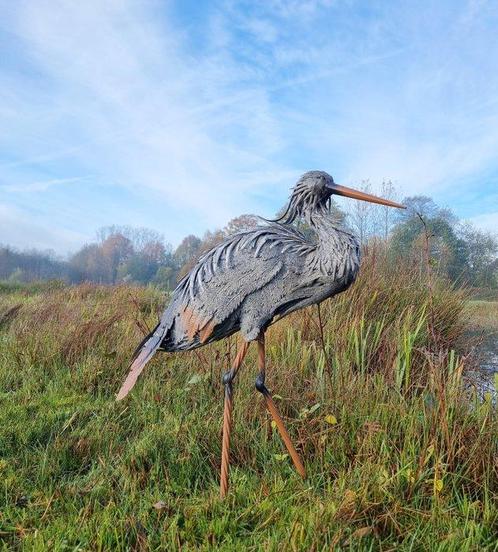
{"x":399,"y":455}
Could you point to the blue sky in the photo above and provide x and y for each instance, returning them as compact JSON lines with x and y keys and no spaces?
{"x":180,"y":115}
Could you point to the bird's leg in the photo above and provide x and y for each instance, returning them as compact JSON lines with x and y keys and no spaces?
{"x":228,"y":378}
{"x":261,"y":387}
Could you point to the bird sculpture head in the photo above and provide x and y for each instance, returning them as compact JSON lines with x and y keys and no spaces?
{"x":312,"y":193}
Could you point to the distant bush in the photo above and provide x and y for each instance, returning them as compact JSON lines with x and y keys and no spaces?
{"x":31,"y":288}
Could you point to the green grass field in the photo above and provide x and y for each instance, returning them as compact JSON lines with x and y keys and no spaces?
{"x":399,"y":455}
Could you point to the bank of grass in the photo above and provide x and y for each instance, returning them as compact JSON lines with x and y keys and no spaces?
{"x":398,"y":455}
{"x":484,"y":315}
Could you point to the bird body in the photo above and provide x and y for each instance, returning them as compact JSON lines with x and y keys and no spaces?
{"x":254,"y":278}
{"x":259,"y":275}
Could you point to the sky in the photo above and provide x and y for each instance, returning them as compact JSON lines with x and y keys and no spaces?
{"x":178,"y":116}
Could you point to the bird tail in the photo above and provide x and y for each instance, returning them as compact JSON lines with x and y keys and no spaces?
{"x":145,"y":351}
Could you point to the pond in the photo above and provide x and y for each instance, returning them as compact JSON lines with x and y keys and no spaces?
{"x":485,"y":375}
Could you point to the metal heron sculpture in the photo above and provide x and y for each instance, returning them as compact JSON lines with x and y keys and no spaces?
{"x":253,"y":278}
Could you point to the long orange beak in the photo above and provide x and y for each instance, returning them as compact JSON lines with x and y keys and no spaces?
{"x":355,"y":194}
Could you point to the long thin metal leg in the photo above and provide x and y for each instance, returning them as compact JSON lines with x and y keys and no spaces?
{"x":227,"y":417}
{"x":261,"y":387}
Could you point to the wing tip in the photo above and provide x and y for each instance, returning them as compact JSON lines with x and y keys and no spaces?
{"x":127,"y":386}
{"x":137,"y":367}
{"x":122,"y":394}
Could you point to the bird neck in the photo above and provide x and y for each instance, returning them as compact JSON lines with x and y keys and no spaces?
{"x":326,"y":227}
{"x":334,"y":245}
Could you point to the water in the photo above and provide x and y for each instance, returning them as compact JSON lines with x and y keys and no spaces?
{"x":489,"y":368}
{"x":484,"y":377}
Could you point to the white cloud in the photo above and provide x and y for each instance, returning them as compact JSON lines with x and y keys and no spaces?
{"x":137,"y":110}
{"x":217,"y":117}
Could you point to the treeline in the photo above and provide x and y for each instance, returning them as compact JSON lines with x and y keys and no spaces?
{"x":423,"y":233}
{"x":427,"y":233}
{"x":119,"y":254}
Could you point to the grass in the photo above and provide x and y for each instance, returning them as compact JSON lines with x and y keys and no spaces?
{"x":399,"y":455}
{"x":484,"y":315}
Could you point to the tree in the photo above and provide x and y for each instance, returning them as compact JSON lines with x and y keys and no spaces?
{"x":156,"y":252}
{"x":420,"y":204}
{"x":142,"y":266}
{"x":137,"y":269}
{"x":241,"y":224}
{"x":31,"y":265}
{"x":133,"y":254}
{"x":386,"y":216}
{"x":361,"y":215}
{"x":18,"y":276}
{"x":482,"y":250}
{"x":139,"y":237}
{"x":116,"y":249}
{"x":90,"y":264}
{"x":187,"y":250}
{"x":165,"y":278}
{"x":211,"y":238}
{"x":447,"y":250}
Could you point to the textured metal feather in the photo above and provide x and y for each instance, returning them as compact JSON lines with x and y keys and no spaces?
{"x":271,"y":235}
{"x":254,"y":277}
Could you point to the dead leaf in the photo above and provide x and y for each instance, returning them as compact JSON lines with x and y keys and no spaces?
{"x":347,"y":507}
{"x":358,"y":534}
{"x":361,"y":532}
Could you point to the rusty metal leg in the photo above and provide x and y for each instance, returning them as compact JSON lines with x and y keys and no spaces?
{"x":261,"y":387}
{"x":227,"y":417}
